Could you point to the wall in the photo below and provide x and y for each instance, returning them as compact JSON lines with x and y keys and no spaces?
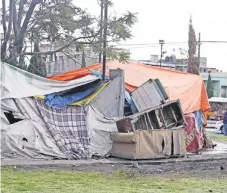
{"x":219,"y":81}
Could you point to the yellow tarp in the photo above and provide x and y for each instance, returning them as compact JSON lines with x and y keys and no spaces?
{"x":91,"y":97}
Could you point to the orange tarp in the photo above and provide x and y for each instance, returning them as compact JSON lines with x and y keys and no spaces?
{"x":189,"y":88}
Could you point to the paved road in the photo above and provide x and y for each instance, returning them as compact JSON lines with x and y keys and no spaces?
{"x":213,"y":132}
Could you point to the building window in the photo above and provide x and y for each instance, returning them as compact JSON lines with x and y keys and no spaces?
{"x":224,"y":91}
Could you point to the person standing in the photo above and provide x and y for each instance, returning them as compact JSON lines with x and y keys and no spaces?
{"x":225,"y":123}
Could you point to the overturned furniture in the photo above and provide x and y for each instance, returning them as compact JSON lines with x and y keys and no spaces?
{"x":157,"y":131}
{"x":166,"y":116}
{"x":149,"y":144}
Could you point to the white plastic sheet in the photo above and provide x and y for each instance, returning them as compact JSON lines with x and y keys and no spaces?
{"x":30,"y":138}
{"x":18,"y":83}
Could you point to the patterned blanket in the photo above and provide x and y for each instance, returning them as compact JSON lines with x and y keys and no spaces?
{"x":194,"y":135}
{"x":68,"y":127}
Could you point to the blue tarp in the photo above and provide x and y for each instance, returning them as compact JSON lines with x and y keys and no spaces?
{"x":130,"y":102}
{"x":60,"y":102}
{"x":199,"y":118}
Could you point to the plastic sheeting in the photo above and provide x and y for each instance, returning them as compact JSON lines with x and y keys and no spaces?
{"x":199,"y":118}
{"x":130,"y":101}
{"x":18,"y":83}
{"x":189,"y":88}
{"x":60,"y":102}
{"x":30,"y":138}
{"x":100,"y":128}
{"x":111,"y":101}
{"x":91,"y":97}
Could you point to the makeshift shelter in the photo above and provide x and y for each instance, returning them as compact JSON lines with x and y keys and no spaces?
{"x":186,"y":87}
{"x":40,"y":121}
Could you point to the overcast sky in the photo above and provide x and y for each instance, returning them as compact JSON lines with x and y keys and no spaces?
{"x":168,"y":20}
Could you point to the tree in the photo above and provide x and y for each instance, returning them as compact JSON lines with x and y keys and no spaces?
{"x":37,"y":65}
{"x":13,"y":43}
{"x":192,"y":63}
{"x":60,"y":23}
{"x":210,"y":89}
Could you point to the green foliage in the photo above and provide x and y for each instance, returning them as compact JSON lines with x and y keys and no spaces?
{"x":118,"y":54}
{"x":210,"y":89}
{"x":37,"y":65}
{"x":64,"y":24}
{"x":55,"y":20}
{"x":61,"y":21}
{"x":193,"y":65}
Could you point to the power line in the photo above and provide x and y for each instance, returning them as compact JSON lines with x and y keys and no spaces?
{"x":214,"y":42}
{"x":148,"y":44}
{"x":144,"y":44}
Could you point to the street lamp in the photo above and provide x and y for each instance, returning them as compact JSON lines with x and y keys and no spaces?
{"x":161,"y":42}
{"x":183,"y":52}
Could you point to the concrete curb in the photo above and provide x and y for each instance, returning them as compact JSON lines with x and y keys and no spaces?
{"x":112,"y":161}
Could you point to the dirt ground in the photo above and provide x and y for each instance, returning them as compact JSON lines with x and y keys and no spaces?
{"x":205,"y":169}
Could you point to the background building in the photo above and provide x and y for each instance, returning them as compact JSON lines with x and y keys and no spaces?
{"x":219,"y":80}
{"x":182,"y":64}
{"x":67,"y":60}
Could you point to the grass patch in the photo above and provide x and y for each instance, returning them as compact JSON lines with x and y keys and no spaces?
{"x":219,"y":138}
{"x":45,"y":181}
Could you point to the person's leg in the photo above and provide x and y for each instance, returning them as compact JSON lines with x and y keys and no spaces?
{"x":225,"y":129}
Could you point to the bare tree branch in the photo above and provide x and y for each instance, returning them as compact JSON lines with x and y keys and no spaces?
{"x":4,"y":17}
{"x":20,"y":12}
{"x":26,"y":20}
{"x":8,"y":60}
{"x":15,"y":26}
{"x":61,"y":48}
{"x":6,"y":39}
{"x":69,"y":56}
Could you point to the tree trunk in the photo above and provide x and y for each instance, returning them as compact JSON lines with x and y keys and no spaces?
{"x":7,"y":35}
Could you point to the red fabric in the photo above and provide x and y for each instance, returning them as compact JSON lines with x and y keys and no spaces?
{"x":194,"y":136}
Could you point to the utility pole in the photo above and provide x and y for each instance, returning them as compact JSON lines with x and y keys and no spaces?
{"x":100,"y":36}
{"x":199,"y":43}
{"x":161,"y":42}
{"x":105,"y":38}
{"x":83,"y":61}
